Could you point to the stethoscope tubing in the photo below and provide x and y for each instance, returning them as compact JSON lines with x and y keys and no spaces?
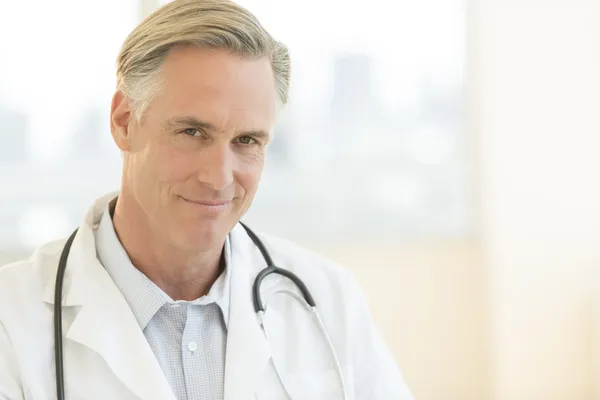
{"x":259,"y":308}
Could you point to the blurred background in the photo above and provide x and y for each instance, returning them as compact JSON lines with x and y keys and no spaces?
{"x":447,"y":151}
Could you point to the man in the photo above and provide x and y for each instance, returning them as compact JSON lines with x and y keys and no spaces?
{"x":157,"y":298}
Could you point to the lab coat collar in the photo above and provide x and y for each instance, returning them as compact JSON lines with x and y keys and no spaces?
{"x":82,"y":259}
{"x":106,"y":324}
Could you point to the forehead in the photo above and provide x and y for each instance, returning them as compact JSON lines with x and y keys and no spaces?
{"x":218,"y":86}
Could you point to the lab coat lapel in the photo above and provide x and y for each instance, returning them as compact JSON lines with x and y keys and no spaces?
{"x":248,"y":351}
{"x":107,"y":325}
{"x":105,"y":322}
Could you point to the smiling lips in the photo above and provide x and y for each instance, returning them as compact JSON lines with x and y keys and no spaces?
{"x":209,"y":205}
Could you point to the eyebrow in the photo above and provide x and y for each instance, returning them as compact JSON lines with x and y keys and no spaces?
{"x":193,"y":122}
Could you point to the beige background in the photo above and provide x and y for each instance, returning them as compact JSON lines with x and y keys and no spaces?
{"x":515,"y":313}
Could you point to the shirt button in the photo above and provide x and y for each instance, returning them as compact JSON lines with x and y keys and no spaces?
{"x":192,"y":346}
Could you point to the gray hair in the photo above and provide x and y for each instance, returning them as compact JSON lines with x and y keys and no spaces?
{"x":214,"y":24}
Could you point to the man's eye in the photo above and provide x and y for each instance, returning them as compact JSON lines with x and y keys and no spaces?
{"x":192,"y":132}
{"x":246,"y":140}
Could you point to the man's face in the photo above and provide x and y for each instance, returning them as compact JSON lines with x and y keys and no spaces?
{"x":194,"y":163}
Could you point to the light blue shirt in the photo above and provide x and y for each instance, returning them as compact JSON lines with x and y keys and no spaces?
{"x":187,"y":337}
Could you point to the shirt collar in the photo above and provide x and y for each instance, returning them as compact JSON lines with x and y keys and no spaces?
{"x":143,"y":296}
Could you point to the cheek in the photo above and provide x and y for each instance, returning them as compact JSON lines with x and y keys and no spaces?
{"x":173,"y":165}
{"x":248,"y":176}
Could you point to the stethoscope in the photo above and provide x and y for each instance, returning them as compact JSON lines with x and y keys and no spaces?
{"x":260,"y":308}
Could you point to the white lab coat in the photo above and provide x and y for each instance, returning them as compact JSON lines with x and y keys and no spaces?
{"x":107,"y":355}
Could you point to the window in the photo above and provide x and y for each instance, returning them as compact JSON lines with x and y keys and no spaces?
{"x":371,"y":143}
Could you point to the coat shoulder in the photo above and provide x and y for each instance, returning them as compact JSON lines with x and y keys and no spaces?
{"x":25,"y":279}
{"x":303,"y":261}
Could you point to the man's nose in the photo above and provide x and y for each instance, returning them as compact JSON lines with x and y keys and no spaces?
{"x":216,"y":166}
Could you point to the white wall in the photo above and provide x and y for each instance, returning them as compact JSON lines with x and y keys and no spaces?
{"x":536,"y":114}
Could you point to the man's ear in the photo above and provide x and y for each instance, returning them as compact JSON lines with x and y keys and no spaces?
{"x":121,"y":113}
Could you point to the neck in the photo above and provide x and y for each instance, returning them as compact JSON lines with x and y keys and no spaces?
{"x":181,"y":275}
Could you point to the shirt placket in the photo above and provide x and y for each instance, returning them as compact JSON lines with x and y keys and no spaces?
{"x":203,"y":352}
